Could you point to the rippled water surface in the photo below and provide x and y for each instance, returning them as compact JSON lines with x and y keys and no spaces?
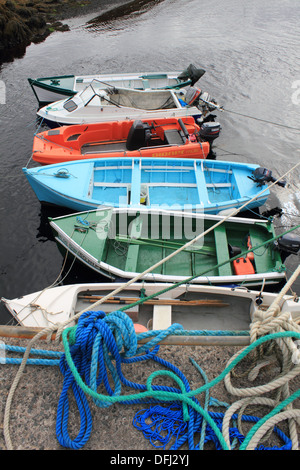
{"x":251,"y":53}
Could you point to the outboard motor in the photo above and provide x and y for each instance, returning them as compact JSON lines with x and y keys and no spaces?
{"x":191,"y":96}
{"x":138,"y":135}
{"x":288,"y":244}
{"x":263,"y":175}
{"x":201,"y":99}
{"x":209,"y":131}
{"x":191,"y":73}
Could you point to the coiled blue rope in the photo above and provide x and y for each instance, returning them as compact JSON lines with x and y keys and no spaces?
{"x":102,"y":344}
{"x":99,"y":345}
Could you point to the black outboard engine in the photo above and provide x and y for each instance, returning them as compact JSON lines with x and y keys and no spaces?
{"x":209,"y":131}
{"x":288,"y":244}
{"x":138,"y":135}
{"x":263,"y":175}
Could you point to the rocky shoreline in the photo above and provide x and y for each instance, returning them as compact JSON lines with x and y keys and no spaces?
{"x":23,"y":22}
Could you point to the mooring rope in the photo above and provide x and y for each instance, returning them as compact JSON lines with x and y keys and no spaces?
{"x":261,"y":120}
{"x":161,"y":425}
{"x":186,"y":397}
{"x":62,"y":330}
{"x":80,"y":363}
{"x":263,"y":324}
{"x":164,"y":260}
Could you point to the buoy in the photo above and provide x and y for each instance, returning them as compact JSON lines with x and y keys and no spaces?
{"x":139,"y":328}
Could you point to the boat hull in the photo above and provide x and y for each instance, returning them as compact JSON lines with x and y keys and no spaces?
{"x":178,"y":184}
{"x":112,"y":104}
{"x":54,"y":120}
{"x":118,"y":139}
{"x":131,"y":244}
{"x":198,"y":308}
{"x":46,"y":93}
{"x":50,"y":89}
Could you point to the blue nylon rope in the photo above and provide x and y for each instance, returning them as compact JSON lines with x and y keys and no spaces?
{"x":102,"y":344}
{"x":93,"y":351}
{"x":47,"y":361}
{"x":161,"y":424}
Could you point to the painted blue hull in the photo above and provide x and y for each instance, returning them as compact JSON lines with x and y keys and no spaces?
{"x":187,"y":184}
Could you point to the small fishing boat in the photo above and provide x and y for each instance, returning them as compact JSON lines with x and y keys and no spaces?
{"x":111,"y":103}
{"x":195,"y":307}
{"x":178,"y":183}
{"x":170,"y":137}
{"x":55,"y":88}
{"x":126,"y":243}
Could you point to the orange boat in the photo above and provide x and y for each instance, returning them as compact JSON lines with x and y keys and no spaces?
{"x":168,"y":137}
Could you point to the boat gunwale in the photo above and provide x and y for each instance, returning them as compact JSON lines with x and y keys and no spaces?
{"x":60,"y":91}
{"x":242,"y":220}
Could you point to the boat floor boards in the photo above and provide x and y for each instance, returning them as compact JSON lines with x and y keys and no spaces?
{"x":233,"y":313}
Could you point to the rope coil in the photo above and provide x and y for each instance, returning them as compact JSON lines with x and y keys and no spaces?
{"x":89,"y":358}
{"x":187,"y":398}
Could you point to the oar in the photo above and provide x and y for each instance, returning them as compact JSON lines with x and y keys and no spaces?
{"x":125,"y":300}
{"x":21,"y":332}
{"x":205,"y":250}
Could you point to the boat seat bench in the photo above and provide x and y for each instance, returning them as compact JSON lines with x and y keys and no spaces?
{"x":133,"y":249}
{"x":162,"y":317}
{"x":135,"y":182}
{"x":222,"y":250}
{"x":174,"y":137}
{"x":201,"y":184}
{"x":260,"y":261}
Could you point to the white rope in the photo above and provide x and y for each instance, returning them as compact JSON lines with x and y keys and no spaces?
{"x":288,"y":414}
{"x":59,"y":328}
{"x":164,"y":260}
{"x":265,"y":323}
{"x":233,"y":409}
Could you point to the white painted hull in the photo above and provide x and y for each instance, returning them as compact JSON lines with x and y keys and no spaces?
{"x":47,"y":96}
{"x":60,"y":304}
{"x":116,"y":114}
{"x":93,"y":105}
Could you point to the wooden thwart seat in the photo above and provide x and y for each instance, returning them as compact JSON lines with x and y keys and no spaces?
{"x":222,"y":250}
{"x":136,"y":182}
{"x":162,"y":317}
{"x":102,"y":232}
{"x":133,"y":250}
{"x":201,"y":184}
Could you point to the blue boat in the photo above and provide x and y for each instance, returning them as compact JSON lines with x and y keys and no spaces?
{"x":178,"y":184}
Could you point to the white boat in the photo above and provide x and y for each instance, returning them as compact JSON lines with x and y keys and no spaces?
{"x":60,"y":87}
{"x":118,"y":104}
{"x":195,"y":307}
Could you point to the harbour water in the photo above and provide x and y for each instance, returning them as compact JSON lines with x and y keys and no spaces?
{"x":250,"y":51}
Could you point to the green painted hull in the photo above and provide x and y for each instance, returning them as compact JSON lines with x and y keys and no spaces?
{"x":120,"y":243}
